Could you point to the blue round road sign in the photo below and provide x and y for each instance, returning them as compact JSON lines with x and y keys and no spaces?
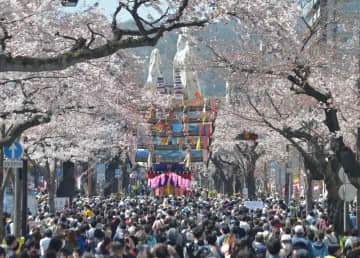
{"x":13,"y":151}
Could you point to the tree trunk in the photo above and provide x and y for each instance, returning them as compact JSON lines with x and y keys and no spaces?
{"x":126,"y":179}
{"x":335,"y":204}
{"x":2,"y":187}
{"x":309,"y":197}
{"x":250,"y":183}
{"x":222,"y":184}
{"x":2,"y":228}
{"x":239,"y":185}
{"x":51,"y":196}
{"x":111,"y":182}
{"x":266,"y":174}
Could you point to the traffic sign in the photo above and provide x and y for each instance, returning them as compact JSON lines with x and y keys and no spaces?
{"x":100,"y":171}
{"x":14,"y":151}
{"x":58,"y":173}
{"x":348,"y":193}
{"x":13,"y":164}
{"x":117,"y":173}
{"x":343,"y":176}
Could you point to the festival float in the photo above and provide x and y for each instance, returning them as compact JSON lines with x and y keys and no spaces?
{"x":179,"y":135}
{"x":178,"y":138}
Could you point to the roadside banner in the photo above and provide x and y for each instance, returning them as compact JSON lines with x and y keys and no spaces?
{"x":60,"y":203}
{"x":253,"y":205}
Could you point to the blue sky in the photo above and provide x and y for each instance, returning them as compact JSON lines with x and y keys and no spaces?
{"x":108,"y":7}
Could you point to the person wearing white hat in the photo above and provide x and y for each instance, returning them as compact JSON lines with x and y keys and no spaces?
{"x":285,"y":245}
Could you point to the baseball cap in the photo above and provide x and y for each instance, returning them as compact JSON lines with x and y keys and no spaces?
{"x":299,"y":229}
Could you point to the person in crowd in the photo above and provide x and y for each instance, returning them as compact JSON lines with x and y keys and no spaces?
{"x":286,"y":246}
{"x":334,"y":251}
{"x":71,"y":242}
{"x":211,"y":244}
{"x":352,"y":239}
{"x":300,"y":242}
{"x":12,"y":245}
{"x":2,"y":252}
{"x":259,"y":243}
{"x":354,"y":252}
{"x":104,"y":246}
{"x":77,"y":253}
{"x":224,"y":230}
{"x":65,"y":253}
{"x":80,"y":238}
{"x":88,"y":212}
{"x":330,"y":238}
{"x":181,"y":227}
{"x":273,"y":247}
{"x":226,"y":248}
{"x":320,"y":248}
{"x":36,"y":236}
{"x":194,"y":246}
{"x":55,"y":247}
{"x":31,"y":250}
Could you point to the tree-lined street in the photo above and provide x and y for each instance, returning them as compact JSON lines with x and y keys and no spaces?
{"x":243,"y":114}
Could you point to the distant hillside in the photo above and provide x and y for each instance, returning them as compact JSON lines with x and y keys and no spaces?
{"x":211,"y":80}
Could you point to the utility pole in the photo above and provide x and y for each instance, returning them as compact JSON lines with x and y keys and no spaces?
{"x":24,"y":196}
{"x":287,"y":184}
{"x":358,"y":190}
{"x":358,"y":150}
{"x":234,"y":184}
{"x":89,"y":179}
{"x":17,"y":213}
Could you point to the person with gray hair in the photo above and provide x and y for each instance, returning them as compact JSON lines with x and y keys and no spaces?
{"x":258,"y":243}
{"x":300,"y":242}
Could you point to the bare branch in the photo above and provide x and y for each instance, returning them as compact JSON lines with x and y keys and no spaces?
{"x":79,"y":53}
{"x":3,"y":115}
{"x":93,"y":34}
{"x":66,"y":37}
{"x":80,"y":43}
{"x":307,"y":25}
{"x":237,"y":68}
{"x":151,"y":24}
{"x":19,"y":128}
{"x":273,"y":104}
{"x":19,"y":20}
{"x":6,"y":81}
{"x":114,"y":22}
{"x":179,"y":13}
{"x":5,"y":181}
{"x":310,"y":91}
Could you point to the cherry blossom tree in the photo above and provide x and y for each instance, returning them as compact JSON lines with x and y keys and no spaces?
{"x":48,"y":59}
{"x":28,"y":28}
{"x":84,"y":122}
{"x":295,"y":83}
{"x":39,"y":37}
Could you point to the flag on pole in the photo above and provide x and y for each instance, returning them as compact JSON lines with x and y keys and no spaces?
{"x":198,"y":145}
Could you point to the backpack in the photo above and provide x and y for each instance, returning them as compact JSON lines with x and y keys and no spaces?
{"x":204,"y":252}
{"x":301,"y":248}
{"x":192,"y":249}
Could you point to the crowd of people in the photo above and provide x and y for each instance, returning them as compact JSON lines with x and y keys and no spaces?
{"x":195,"y":226}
